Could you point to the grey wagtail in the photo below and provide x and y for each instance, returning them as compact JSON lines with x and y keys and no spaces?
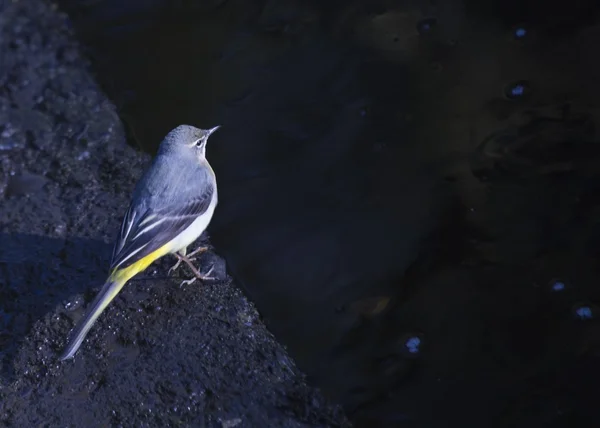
{"x":171,"y":206}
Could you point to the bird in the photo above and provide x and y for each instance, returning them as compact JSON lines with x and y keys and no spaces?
{"x":171,"y":206}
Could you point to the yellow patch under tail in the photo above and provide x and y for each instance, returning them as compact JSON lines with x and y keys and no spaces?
{"x":124,"y":275}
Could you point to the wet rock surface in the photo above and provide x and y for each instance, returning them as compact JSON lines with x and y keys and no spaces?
{"x":162,"y":354}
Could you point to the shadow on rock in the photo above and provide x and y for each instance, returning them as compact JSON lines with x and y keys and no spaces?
{"x":37,"y":274}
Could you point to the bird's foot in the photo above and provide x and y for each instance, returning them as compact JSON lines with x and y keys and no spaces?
{"x":174,"y":267}
{"x":198,"y":275}
{"x":198,"y":250}
{"x":188,"y":259}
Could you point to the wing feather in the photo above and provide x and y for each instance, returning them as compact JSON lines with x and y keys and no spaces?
{"x":146,"y":229}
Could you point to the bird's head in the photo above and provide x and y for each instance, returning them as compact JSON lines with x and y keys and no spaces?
{"x":186,"y":136}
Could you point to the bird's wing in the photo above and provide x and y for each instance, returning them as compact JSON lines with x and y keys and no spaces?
{"x":145,"y":230}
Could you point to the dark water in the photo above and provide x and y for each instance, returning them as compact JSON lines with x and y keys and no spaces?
{"x":404,"y":188}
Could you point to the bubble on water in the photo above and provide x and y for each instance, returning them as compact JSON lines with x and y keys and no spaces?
{"x":424,"y":26}
{"x":520,"y":32}
{"x":411,"y":344}
{"x":584,"y":312}
{"x":517,"y":90}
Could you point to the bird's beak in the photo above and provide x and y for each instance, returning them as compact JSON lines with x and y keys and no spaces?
{"x":210,"y":131}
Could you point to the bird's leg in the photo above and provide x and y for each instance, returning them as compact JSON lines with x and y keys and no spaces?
{"x":198,"y":250}
{"x":187,"y":259}
{"x":198,"y":275}
{"x":179,"y":260}
{"x":194,"y":269}
{"x":190,"y":257}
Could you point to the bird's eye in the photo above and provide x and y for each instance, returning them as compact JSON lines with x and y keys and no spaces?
{"x":199,"y":142}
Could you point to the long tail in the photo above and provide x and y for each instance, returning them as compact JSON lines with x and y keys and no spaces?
{"x":109,"y":291}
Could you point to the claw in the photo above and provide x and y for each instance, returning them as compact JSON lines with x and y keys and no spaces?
{"x":206,"y":276}
{"x":174,"y":267}
{"x":188,"y":260}
{"x":199,"y":276}
{"x":188,"y":281}
{"x":196,"y":251}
